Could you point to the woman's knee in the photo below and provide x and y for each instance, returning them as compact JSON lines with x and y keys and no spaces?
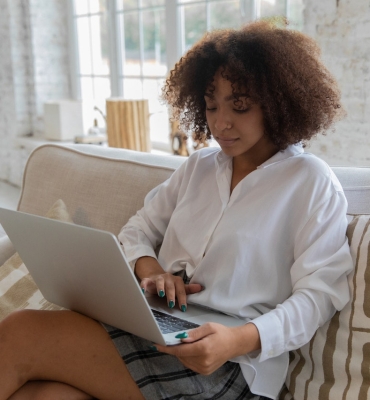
{"x":18,"y":327}
{"x":14,"y":321}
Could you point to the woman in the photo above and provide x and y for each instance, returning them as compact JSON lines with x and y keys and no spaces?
{"x":255,"y":229}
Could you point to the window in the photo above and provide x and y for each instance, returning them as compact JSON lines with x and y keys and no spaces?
{"x":126,"y":47}
{"x":93,"y":61}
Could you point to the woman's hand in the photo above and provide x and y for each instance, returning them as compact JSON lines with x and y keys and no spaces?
{"x":208,"y":347}
{"x":155,"y":280}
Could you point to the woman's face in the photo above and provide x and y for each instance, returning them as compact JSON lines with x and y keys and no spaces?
{"x":237,"y":126}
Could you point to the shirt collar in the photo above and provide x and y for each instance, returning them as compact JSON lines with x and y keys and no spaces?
{"x":290,"y":151}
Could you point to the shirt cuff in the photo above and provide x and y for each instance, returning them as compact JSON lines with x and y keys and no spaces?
{"x":271,"y":336}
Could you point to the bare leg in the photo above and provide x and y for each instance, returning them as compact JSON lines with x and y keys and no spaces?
{"x":37,"y":390}
{"x":61,"y":346}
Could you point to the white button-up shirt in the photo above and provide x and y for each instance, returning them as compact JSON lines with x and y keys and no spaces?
{"x":274,"y":250}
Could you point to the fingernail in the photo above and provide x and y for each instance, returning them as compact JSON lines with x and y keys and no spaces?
{"x":183,"y":308}
{"x":143,"y":290}
{"x":182,"y":335}
{"x":203,"y":288}
{"x":171,"y":304}
{"x":153,"y":348}
{"x":161,"y":293}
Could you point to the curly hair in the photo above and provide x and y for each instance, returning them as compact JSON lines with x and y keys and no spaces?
{"x":278,"y":68}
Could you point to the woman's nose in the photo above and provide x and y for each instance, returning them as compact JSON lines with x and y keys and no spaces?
{"x":222,"y":121}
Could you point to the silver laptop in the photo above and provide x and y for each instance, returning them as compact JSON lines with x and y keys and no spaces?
{"x":85,"y":270}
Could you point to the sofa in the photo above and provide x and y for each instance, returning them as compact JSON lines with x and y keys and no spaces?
{"x":102,"y":187}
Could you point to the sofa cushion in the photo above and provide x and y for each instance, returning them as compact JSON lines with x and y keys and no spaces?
{"x":101,"y":187}
{"x":6,"y":249}
{"x":17,"y":288}
{"x":335,"y":363}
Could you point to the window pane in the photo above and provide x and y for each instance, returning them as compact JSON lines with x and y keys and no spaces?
{"x":150,"y":3}
{"x":159,"y":126}
{"x":154,"y":43}
{"x":295,"y":14}
{"x":194,"y":24}
{"x":127,"y":4}
{"x":84,"y":48}
{"x":102,"y":92}
{"x":81,"y":7}
{"x":131,"y":50}
{"x":97,"y":6}
{"x":159,"y":119}
{"x":87,"y":88}
{"x":99,"y":39}
{"x":225,"y":14}
{"x":132,"y":89}
{"x":272,"y":8}
{"x":152,"y":91}
{"x":248,"y":10}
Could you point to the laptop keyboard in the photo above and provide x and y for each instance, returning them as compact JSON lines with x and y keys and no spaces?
{"x":168,"y":323}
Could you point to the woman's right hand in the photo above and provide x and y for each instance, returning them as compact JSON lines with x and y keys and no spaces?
{"x":155,"y":280}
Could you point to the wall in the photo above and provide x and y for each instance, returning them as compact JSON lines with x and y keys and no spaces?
{"x":342,"y":28}
{"x":7,"y":103}
{"x":34,"y":68}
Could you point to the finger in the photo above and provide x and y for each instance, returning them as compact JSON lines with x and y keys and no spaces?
{"x":161,"y":291}
{"x":193,"y":288}
{"x":183,"y":350}
{"x":170,"y":291}
{"x":147,"y":285}
{"x":181,"y":295}
{"x":193,"y":339}
{"x":199,"y":333}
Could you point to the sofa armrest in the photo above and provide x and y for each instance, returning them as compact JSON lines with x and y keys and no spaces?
{"x":6,"y":249}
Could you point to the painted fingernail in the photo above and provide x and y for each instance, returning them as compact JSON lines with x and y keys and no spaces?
{"x":143,"y":290}
{"x":183,"y":308}
{"x":171,"y":304}
{"x":182,"y":335}
{"x":203,"y":288}
{"x":153,"y":348}
{"x":161,"y":293}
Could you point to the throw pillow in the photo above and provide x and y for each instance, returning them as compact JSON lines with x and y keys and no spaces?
{"x":17,"y":288}
{"x":335,"y":363}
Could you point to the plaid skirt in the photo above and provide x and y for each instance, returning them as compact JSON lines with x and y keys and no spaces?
{"x":162,"y":376}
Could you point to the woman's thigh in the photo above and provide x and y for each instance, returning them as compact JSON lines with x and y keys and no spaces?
{"x":61,"y":346}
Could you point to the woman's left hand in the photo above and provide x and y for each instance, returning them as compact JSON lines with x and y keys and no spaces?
{"x":208,"y":347}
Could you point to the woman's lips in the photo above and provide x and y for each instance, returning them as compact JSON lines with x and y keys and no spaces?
{"x":226,"y":142}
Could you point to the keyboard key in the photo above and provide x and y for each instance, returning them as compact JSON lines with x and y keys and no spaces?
{"x":168,"y":323}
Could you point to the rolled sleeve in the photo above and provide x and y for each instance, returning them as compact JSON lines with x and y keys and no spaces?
{"x":145,"y":230}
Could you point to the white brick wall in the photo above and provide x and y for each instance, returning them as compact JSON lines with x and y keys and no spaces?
{"x":342,"y":29}
{"x":34,"y":68}
{"x":7,"y":103}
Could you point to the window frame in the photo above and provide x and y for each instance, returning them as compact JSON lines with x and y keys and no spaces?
{"x":174,"y":42}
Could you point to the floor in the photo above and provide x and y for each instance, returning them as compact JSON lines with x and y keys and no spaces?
{"x":9,"y":196}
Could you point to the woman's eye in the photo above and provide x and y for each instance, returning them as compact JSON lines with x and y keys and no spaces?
{"x":210,"y":108}
{"x":241,"y":110}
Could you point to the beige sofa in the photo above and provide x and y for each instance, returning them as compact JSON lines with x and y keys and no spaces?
{"x":102,"y":187}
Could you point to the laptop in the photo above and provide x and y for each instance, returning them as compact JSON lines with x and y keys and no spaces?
{"x":85,"y":270}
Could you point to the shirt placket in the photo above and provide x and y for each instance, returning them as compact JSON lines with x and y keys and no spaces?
{"x":223,"y":178}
